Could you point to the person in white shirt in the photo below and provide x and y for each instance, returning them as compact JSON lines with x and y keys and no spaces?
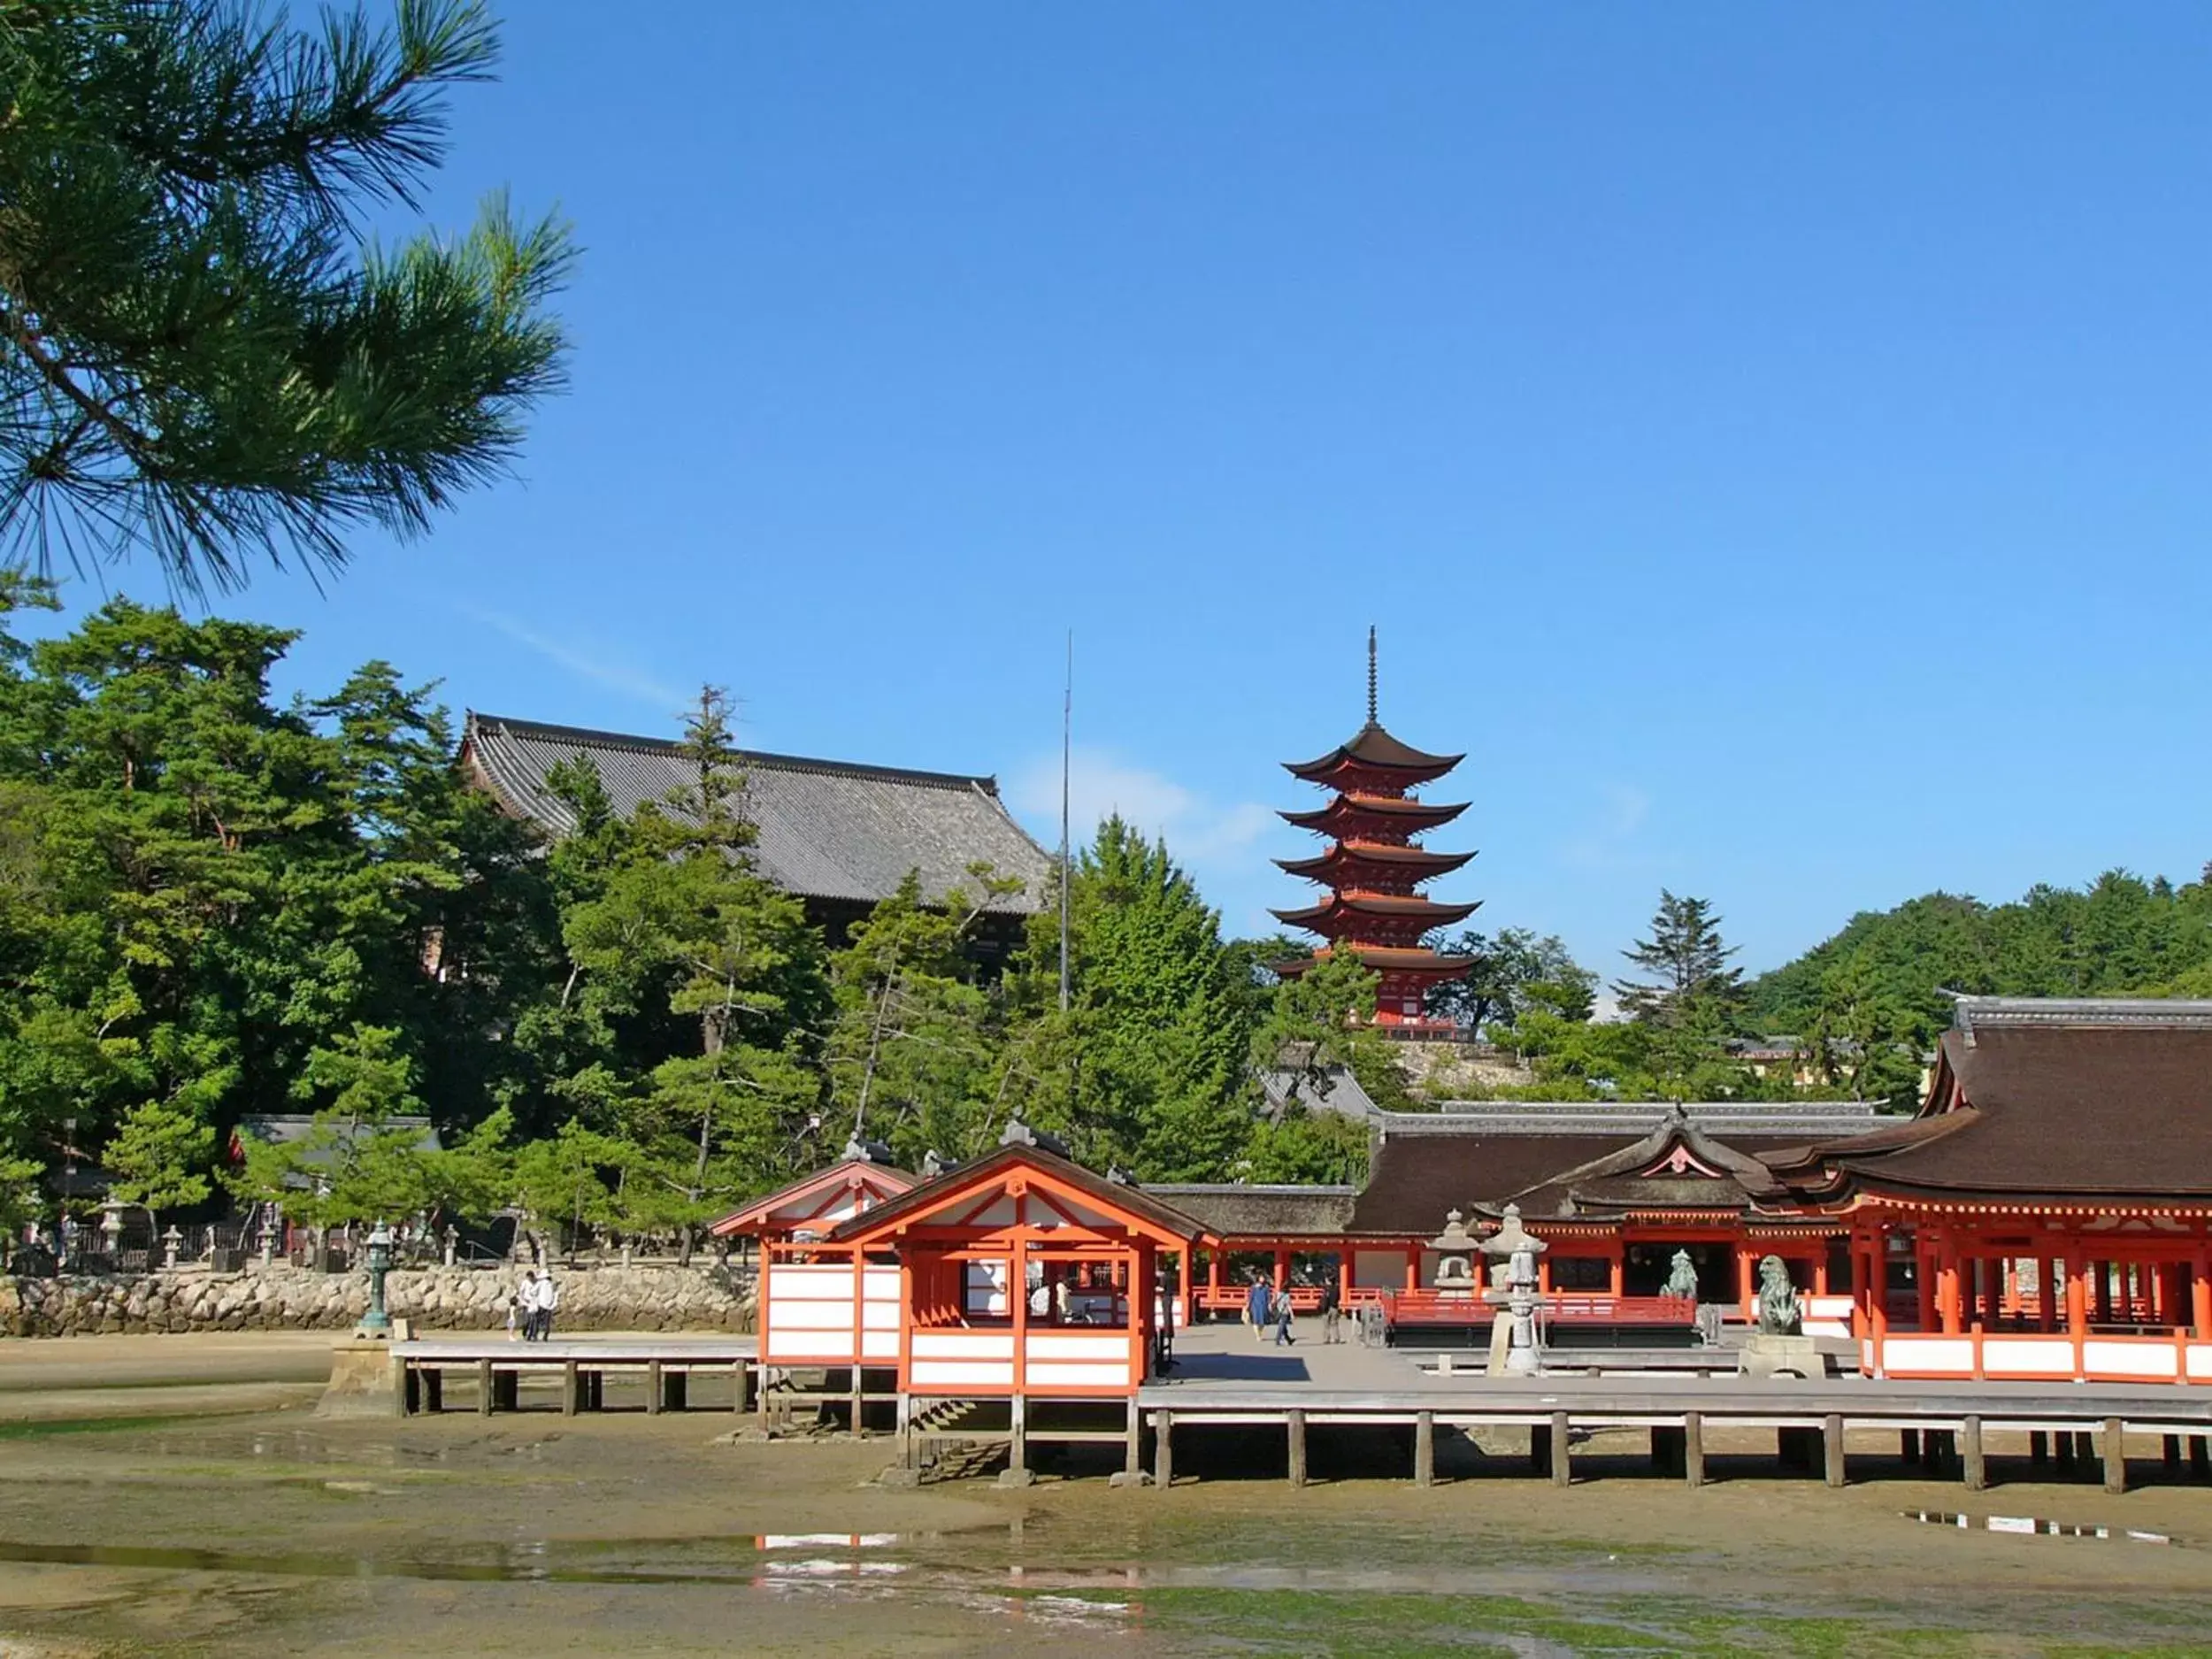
{"x":548,"y":1303}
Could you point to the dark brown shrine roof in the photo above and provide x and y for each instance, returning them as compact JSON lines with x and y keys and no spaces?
{"x":1261,"y":1211}
{"x":2043,"y":1098}
{"x":1383,"y":958}
{"x":1583,"y":1161}
{"x":1374,"y":747}
{"x":828,"y":829}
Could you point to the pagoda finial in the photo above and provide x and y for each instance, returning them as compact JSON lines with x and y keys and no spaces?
{"x":1371,"y":674}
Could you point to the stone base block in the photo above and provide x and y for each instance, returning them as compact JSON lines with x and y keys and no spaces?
{"x":1129,"y":1477}
{"x":1013,"y":1478}
{"x":363,"y":1382}
{"x":1767,"y":1356}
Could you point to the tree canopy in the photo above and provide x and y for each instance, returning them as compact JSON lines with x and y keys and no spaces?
{"x":201,"y":355}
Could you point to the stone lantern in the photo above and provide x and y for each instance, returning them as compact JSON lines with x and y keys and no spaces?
{"x":1456,"y":1248}
{"x":112,"y":1230}
{"x":171,"y":1243}
{"x":452,"y":1242}
{"x":1517,"y":1251}
{"x":376,"y":1321}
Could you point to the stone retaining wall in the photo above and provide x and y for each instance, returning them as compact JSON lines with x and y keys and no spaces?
{"x":658,"y":1297}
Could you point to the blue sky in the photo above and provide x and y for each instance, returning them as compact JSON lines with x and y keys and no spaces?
{"x":1772,"y":440}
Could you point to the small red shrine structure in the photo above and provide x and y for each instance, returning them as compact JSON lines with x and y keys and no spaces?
{"x":1374,"y":869}
{"x":1020,"y":1274}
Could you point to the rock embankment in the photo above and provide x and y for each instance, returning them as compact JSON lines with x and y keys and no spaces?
{"x":705,"y":1296}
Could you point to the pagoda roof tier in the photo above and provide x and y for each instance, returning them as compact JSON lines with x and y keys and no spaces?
{"x":1406,"y":817}
{"x":1347,"y":859}
{"x":1371,"y":750}
{"x":1385,"y":907}
{"x":1386,"y":959}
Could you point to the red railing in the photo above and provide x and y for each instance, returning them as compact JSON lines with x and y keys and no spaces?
{"x":1440,"y":1308}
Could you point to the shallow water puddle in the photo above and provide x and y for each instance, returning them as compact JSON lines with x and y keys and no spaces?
{"x":2029,"y":1526}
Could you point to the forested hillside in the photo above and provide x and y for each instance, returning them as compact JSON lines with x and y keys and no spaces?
{"x":2121,"y":934}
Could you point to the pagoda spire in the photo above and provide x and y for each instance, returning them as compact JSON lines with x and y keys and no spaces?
{"x":1371,"y":674}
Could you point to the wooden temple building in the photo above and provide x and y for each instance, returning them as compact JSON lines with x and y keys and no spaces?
{"x":1373,"y":869}
{"x":2046,"y":1216}
{"x":839,"y":836}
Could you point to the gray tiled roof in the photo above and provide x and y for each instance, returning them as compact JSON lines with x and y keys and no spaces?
{"x":828,"y":830}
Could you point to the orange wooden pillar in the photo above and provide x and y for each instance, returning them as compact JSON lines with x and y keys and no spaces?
{"x":1413,"y":1267}
{"x":2200,"y":1293}
{"x":1746,"y":1292}
{"x":2077,"y":1293}
{"x":1213,"y":1278}
{"x":1617,"y":1271}
{"x":1923,"y":1279}
{"x":2046,"y":1291}
{"x":1343,"y":1279}
{"x":1282,"y":1269}
{"x":1947,"y":1285}
{"x":1820,"y":1273}
{"x":1543,"y":1275}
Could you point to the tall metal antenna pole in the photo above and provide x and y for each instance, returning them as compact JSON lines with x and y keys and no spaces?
{"x":1371,"y":674}
{"x":1067,"y":726}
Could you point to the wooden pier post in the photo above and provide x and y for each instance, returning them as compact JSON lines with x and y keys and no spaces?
{"x":740,"y":1389}
{"x":1017,"y":1440}
{"x":1295,"y":1425}
{"x":1133,"y":1445}
{"x":2116,"y":1457}
{"x":1972,"y":1466}
{"x":906,"y":1431}
{"x":483,"y":1388}
{"x":1831,"y":1437}
{"x":572,"y":1389}
{"x":1562,"y":1455}
{"x":1423,"y":1448}
{"x":1164,"y":1449}
{"x":652,"y":1388}
{"x":1692,"y":1449}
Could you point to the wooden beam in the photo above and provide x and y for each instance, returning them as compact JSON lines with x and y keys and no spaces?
{"x":571,"y":1387}
{"x":1562,"y":1459}
{"x":483,"y":1388}
{"x":1692,"y":1449}
{"x":2116,"y":1458}
{"x":653,"y":1389}
{"x":1423,"y":1448}
{"x":1972,"y":1466}
{"x":1132,"y":1457}
{"x":1831,"y":1437}
{"x":1017,"y":1440}
{"x":1294,"y":1422}
{"x":1164,"y":1449}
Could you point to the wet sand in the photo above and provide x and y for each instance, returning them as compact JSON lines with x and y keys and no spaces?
{"x":532,"y":1534}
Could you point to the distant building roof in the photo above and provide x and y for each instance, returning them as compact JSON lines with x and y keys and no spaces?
{"x":285,"y":1129}
{"x":1261,"y":1212}
{"x":828,"y":829}
{"x":1335,"y":1090}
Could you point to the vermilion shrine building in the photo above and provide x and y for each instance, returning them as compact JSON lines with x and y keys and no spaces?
{"x":2047,"y":1215}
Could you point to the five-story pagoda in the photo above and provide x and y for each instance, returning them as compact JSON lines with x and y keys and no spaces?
{"x":1373,"y":869}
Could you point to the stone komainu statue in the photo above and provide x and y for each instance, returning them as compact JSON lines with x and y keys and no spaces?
{"x":1681,"y":1278}
{"x":1778,"y":1299}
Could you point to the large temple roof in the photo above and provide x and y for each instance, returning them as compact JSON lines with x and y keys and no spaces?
{"x":1373,"y":748}
{"x":828,"y":829}
{"x":2036,"y":1098}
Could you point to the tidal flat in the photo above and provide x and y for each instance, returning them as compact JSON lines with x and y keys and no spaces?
{"x":531,"y":1534}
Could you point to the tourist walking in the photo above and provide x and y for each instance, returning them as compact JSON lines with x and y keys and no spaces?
{"x":1332,"y":1319}
{"x":526,"y":1303}
{"x":1283,"y":1337}
{"x":1255,"y":1310}
{"x":548,"y":1303}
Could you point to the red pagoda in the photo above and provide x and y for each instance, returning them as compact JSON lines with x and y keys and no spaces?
{"x":1373,"y":870}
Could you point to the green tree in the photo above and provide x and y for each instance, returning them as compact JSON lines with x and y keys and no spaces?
{"x":1858,"y":1037}
{"x":1323,"y":1019}
{"x":1513,"y":970}
{"x":159,"y":1159}
{"x":199,"y":353}
{"x":1147,"y":1067}
{"x":1687,"y":962}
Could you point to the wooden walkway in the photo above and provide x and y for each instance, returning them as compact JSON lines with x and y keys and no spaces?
{"x":1239,"y":1383}
{"x":582,"y":1364}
